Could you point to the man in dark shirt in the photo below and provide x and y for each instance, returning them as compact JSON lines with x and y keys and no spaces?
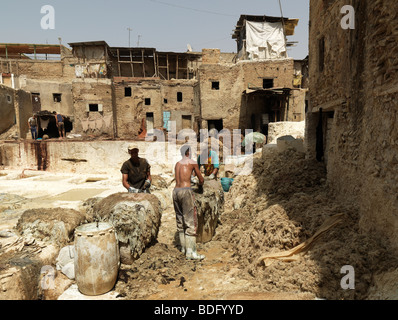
{"x":136,"y":172}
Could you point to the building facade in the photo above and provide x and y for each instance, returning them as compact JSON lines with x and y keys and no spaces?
{"x":126,"y":93}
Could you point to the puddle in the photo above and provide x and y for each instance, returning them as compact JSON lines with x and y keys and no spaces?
{"x":78,"y":194}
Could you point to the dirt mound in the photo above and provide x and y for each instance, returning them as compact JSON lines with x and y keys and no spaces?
{"x":282,"y":204}
{"x":55,"y":225}
{"x":160,"y":264}
{"x":136,"y":218}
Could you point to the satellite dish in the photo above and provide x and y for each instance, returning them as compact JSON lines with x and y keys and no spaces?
{"x":189,"y":47}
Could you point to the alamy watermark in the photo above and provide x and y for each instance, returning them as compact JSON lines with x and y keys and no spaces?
{"x":47,"y":279}
{"x":348,"y":21}
{"x":348,"y":281}
{"x":224,"y":143}
{"x":48,"y":20}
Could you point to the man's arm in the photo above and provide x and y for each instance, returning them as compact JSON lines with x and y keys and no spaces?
{"x":198,"y":174}
{"x":124,"y":181}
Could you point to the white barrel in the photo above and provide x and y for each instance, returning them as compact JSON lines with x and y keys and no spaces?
{"x":97,"y":258}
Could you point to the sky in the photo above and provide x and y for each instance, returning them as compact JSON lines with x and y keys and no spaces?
{"x":166,"y":25}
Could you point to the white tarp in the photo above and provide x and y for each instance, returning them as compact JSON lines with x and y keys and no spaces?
{"x":265,"y":40}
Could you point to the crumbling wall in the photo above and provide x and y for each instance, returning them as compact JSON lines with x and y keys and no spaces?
{"x":44,"y":70}
{"x":177,"y":97}
{"x":47,"y":89}
{"x":189,"y":106}
{"x":23,"y":108}
{"x":233,"y":80}
{"x":83,"y":156}
{"x":226,"y":100}
{"x":93,"y":92}
{"x":356,"y":85}
{"x":132,"y":110}
{"x":296,"y":110}
{"x":211,"y":56}
{"x":279,"y":129}
{"x":7,"y":110}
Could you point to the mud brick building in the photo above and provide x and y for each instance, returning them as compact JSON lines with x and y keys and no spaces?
{"x":352,"y":119}
{"x":119,"y":92}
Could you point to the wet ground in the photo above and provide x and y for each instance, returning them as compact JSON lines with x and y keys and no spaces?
{"x":282,"y":204}
{"x":162,"y":272}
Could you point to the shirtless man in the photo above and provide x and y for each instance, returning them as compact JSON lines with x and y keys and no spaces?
{"x":184,"y":204}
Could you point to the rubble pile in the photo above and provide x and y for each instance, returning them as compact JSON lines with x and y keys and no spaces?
{"x":50,"y":225}
{"x":280,"y":205}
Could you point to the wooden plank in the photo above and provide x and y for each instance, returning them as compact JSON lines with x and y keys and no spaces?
{"x":143,"y":62}
{"x":168,"y":71}
{"x":118,"y":62}
{"x":177,"y":66}
{"x":131,"y":64}
{"x":154,"y":64}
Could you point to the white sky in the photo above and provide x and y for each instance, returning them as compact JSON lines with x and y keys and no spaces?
{"x":167,"y":25}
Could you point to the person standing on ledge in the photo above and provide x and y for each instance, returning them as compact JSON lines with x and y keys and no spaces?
{"x":60,"y":124}
{"x":184,"y":203}
{"x":136,"y":172}
{"x":32,"y":122}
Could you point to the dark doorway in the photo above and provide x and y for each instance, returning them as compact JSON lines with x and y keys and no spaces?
{"x":215,"y":124}
{"x":48,"y":126}
{"x":186,"y":122}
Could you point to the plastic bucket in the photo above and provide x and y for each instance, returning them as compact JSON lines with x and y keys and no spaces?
{"x":97,"y":258}
{"x":226,"y":183}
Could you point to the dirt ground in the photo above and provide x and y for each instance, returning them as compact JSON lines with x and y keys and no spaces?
{"x":280,"y":205}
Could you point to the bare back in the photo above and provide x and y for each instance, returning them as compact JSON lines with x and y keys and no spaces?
{"x":183,"y":171}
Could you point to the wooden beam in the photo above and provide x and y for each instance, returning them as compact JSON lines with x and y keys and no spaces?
{"x":177,"y":66}
{"x":143,"y":62}
{"x":168,"y":71}
{"x":154,"y":63}
{"x":118,"y":62}
{"x":131,"y":64}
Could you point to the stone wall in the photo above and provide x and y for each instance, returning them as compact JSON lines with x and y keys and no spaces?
{"x":15,"y":109}
{"x":132,"y":110}
{"x":47,"y":89}
{"x":88,"y":92}
{"x":156,"y":97}
{"x":356,"y":88}
{"x":102,"y":157}
{"x":23,"y":109}
{"x":233,"y":80}
{"x":7,"y":110}
{"x":280,"y":129}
